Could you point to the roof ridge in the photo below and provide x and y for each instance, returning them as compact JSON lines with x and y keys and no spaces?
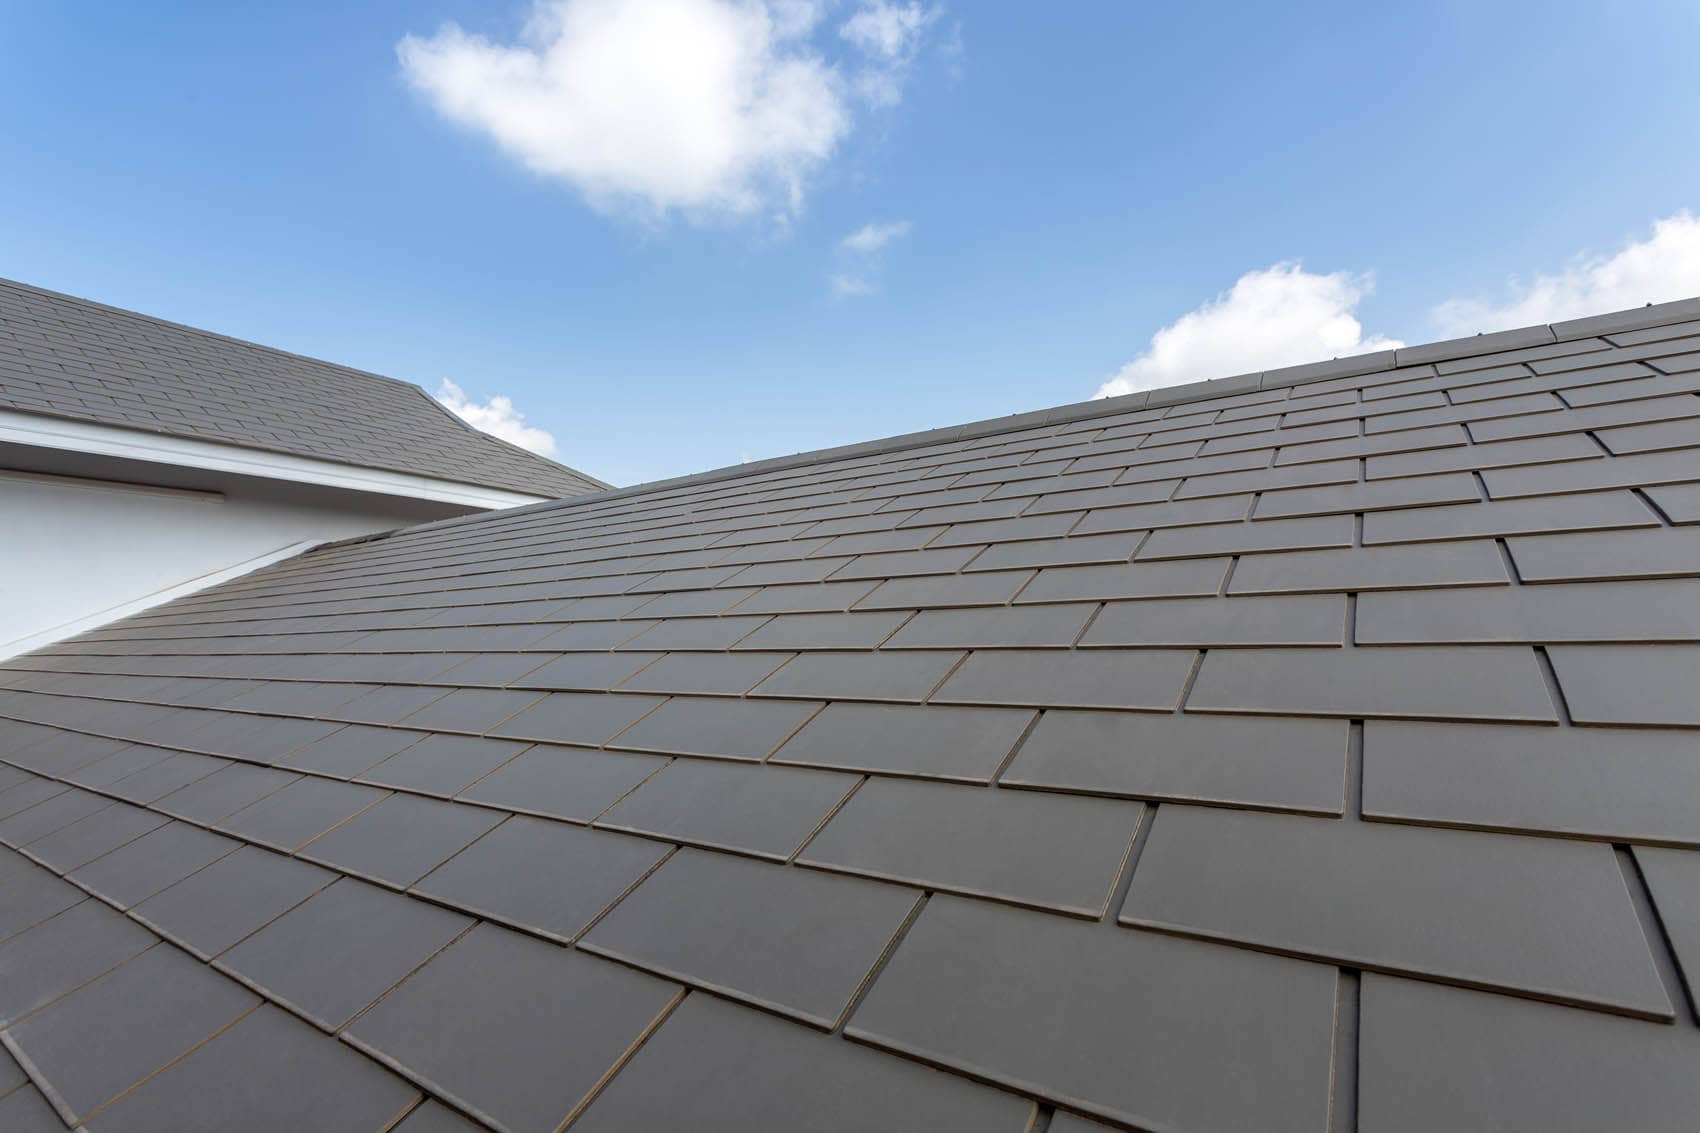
{"x":1352,"y":365}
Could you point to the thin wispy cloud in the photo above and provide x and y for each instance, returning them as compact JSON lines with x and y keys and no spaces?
{"x":1662,"y":267}
{"x":498,"y":417}
{"x":1278,"y":316}
{"x":862,"y":254}
{"x":715,"y":109}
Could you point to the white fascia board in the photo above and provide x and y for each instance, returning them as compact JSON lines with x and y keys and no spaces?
{"x":159,"y":448}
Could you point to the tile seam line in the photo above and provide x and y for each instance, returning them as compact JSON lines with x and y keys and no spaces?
{"x":1664,"y":315}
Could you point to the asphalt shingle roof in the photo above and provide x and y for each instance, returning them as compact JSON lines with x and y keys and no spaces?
{"x":71,"y":358}
{"x":1315,"y":750}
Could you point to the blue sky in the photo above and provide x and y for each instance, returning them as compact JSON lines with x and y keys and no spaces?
{"x":637,"y":219}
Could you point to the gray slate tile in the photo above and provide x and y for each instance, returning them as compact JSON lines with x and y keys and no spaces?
{"x":1151,"y":679}
{"x":1264,"y":762}
{"x":1538,"y":916}
{"x":905,"y":677}
{"x":1476,"y":683}
{"x":1248,"y":538}
{"x":1673,"y":878}
{"x":341,"y":949}
{"x":543,"y":876}
{"x":1590,"y":512}
{"x":577,"y":718}
{"x":110,"y":1034}
{"x":250,"y":1078}
{"x":931,"y":741}
{"x":136,"y":871}
{"x":87,"y":839}
{"x":717,"y":726}
{"x":1665,"y":610}
{"x":1659,"y":553}
{"x":300,"y":812}
{"x":346,"y":753}
{"x":590,"y":672}
{"x":24,"y":1110}
{"x":787,"y":939}
{"x":1435,"y":1057}
{"x":1630,"y":684}
{"x":212,"y":909}
{"x":711,"y":674}
{"x":441,"y":765}
{"x":1300,"y":620}
{"x":518,"y":1056}
{"x":61,"y":953}
{"x":401,"y":839}
{"x":224,"y":792}
{"x":1030,"y":848}
{"x":1145,"y":1029}
{"x":563,"y":782}
{"x":33,"y":894}
{"x":762,"y":810}
{"x":1415,"y":566}
{"x":1112,"y":548}
{"x":997,"y":627}
{"x":715,"y":1067}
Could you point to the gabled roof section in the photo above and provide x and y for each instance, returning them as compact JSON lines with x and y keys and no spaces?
{"x":74,"y":359}
{"x":1311,"y":753}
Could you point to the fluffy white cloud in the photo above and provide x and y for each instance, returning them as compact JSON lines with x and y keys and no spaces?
{"x":890,"y":36}
{"x":1662,"y":267}
{"x":1279,"y":316}
{"x":714,"y":108}
{"x":872,"y":237}
{"x":498,"y":417}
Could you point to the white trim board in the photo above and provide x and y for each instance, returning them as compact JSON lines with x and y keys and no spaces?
{"x":159,"y":448}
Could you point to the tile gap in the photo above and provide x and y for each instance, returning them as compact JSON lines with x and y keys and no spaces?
{"x":1604,"y":451}
{"x":625,"y":1057}
{"x":1354,"y":770}
{"x":1191,"y":679}
{"x":1481,"y":485}
{"x":1228,"y":577}
{"x":1343,"y":1088}
{"x":1351,"y":639}
{"x":879,"y":964}
{"x":830,"y":815}
{"x":1641,"y":494}
{"x":1510,"y":563}
{"x":1357,"y":529}
{"x":1087,"y":628}
{"x":1682,"y":996}
{"x":1042,"y":1114}
{"x":1554,"y":689}
{"x":1015,"y":750}
{"x":1124,"y":879}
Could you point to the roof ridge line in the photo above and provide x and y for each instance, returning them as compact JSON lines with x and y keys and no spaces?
{"x":1352,"y":365}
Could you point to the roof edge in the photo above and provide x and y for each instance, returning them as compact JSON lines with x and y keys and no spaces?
{"x":1356,"y":365}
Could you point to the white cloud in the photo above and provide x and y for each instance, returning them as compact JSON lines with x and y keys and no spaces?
{"x":498,"y":417}
{"x":862,"y":253}
{"x":1662,"y":267}
{"x":890,"y":36}
{"x":874,"y":236}
{"x":714,"y":108}
{"x":1279,"y":316}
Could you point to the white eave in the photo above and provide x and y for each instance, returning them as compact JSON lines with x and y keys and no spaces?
{"x":183,"y":452}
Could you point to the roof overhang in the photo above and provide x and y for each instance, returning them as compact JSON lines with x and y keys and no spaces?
{"x":158,"y":448}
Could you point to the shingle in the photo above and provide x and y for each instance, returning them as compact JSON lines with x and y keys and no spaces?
{"x":787,"y":939}
{"x":1615,"y":784}
{"x":51,"y":814}
{"x":386,"y":705}
{"x":696,"y":633}
{"x":107,"y":1036}
{"x":1180,"y":513}
{"x":23,"y":796}
{"x":1145,"y":1029}
{"x":1301,"y":620}
{"x":178,"y":769}
{"x":33,"y":894}
{"x":806,"y":598}
{"x":907,"y":677}
{"x":212,"y":909}
{"x":1607,"y":555}
{"x":761,"y":810}
{"x":988,"y":589}
{"x":139,"y":869}
{"x":995,"y":627}
{"x":1248,"y":538}
{"x":299,"y":812}
{"x":341,"y":949}
{"x":594,"y":672}
{"x":441,"y":765}
{"x":1281,"y":764}
{"x":517,"y":1055}
{"x":24,"y":1110}
{"x":1681,"y":502}
{"x":87,"y":839}
{"x":577,"y":717}
{"x":730,"y":674}
{"x":825,"y":631}
{"x":1486,"y":683}
{"x":1614,"y":684}
{"x":1537,"y":916}
{"x":1593,"y":476}
{"x":349,"y":751}
{"x":543,"y":876}
{"x":1416,"y":566}
{"x":224,"y":792}
{"x":1047,"y":851}
{"x":1536,"y":450}
{"x":61,"y":953}
{"x":250,"y":1077}
{"x":1114,"y":548}
{"x":1151,"y":679}
{"x":401,"y":839}
{"x":1434,"y":1057}
{"x":1593,"y":511}
{"x":1673,"y":878}
{"x":1127,"y":580}
{"x":1666,"y":610}
{"x":120,"y":765}
{"x":1375,"y":495}
{"x":717,"y":726}
{"x":562,"y":782}
{"x":931,"y":741}
{"x":719,"y":1068}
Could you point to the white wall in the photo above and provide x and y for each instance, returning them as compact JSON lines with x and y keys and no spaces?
{"x":75,"y":553}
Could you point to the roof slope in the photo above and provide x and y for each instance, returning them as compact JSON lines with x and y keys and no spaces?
{"x":71,"y":358}
{"x":1317,"y":756}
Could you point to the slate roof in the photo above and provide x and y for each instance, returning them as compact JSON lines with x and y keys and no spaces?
{"x":1311,"y":751}
{"x":71,"y":358}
